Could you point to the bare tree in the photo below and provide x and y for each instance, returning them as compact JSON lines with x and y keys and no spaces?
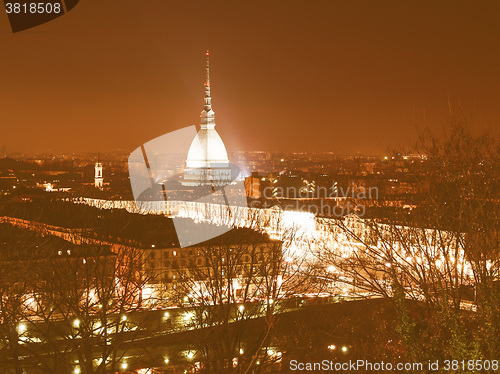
{"x":74,"y":304}
{"x":12,"y":296}
{"x":233,"y":289}
{"x":432,"y":258}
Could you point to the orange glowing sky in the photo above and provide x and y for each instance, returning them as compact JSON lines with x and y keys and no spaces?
{"x":340,"y":76}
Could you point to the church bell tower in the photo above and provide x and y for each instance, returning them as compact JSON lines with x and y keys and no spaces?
{"x":98,"y":179}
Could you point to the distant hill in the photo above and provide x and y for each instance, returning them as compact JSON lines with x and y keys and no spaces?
{"x":11,"y":164}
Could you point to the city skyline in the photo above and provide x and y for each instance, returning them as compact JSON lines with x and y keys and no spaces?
{"x":227,"y":187}
{"x":330,"y":78}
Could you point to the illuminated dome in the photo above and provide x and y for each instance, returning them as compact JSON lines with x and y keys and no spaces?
{"x":207,"y":162}
{"x":207,"y":150}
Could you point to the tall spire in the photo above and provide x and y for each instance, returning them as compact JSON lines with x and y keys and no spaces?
{"x":207,"y":115}
{"x":208,"y":68}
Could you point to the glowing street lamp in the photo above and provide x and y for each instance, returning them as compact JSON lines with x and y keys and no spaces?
{"x":21,"y":328}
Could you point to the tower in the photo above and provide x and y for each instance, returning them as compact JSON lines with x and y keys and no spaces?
{"x":98,"y":179}
{"x":207,"y":163}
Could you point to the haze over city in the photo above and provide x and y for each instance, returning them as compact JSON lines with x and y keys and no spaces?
{"x":334,"y":77}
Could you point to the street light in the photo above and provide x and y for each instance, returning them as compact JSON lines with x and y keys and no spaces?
{"x":21,"y":328}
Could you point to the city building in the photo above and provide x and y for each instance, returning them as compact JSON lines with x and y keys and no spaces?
{"x":170,"y":271}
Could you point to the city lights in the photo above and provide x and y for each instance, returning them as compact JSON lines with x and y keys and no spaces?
{"x":188,"y":316}
{"x":22,"y":327}
{"x":336,"y":210}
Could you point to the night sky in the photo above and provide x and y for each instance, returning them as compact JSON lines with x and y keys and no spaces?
{"x":340,"y":76}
